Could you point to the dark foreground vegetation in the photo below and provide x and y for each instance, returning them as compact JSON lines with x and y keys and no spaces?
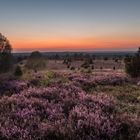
{"x":93,"y":99}
{"x":70,"y":106}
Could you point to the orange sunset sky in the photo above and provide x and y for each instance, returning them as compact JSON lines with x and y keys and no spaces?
{"x":76,"y":25}
{"x":75,"y":43}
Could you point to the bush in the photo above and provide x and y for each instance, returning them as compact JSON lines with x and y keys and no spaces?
{"x":114,"y":68}
{"x":85,"y":65}
{"x":90,"y":61}
{"x":105,"y":58}
{"x":101,"y":68}
{"x":92,"y":67}
{"x":18,"y":71}
{"x":132,"y":65}
{"x":36,"y":61}
{"x":72,"y":68}
{"x":68,"y":66}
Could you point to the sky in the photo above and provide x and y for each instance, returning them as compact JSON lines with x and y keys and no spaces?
{"x":71,"y":25}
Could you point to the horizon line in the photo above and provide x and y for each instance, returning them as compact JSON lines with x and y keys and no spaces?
{"x":101,"y":51}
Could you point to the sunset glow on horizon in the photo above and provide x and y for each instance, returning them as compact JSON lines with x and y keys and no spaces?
{"x":76,"y":25}
{"x":74,"y":44}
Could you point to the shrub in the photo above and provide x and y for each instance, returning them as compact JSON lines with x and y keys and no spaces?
{"x":36,"y":61}
{"x":92,"y":67}
{"x":68,"y":66}
{"x":132,"y":65}
{"x":101,"y":68}
{"x":18,"y":71}
{"x":106,"y":58}
{"x":90,"y":60}
{"x":85,"y":65}
{"x":114,"y":68}
{"x":72,"y":68}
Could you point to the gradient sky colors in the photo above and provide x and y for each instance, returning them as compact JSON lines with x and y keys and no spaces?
{"x":71,"y":25}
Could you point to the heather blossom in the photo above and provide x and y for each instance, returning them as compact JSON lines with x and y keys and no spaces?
{"x":64,"y":111}
{"x":60,"y":112}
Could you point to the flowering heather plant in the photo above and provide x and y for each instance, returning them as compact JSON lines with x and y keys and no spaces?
{"x":12,"y":86}
{"x":89,"y":81}
{"x":111,"y":80}
{"x":63,"y":111}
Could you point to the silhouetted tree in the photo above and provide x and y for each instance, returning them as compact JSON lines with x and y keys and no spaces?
{"x":56,"y":57}
{"x":35,"y":55}
{"x":5,"y":54}
{"x":132,"y":64}
{"x":36,"y":61}
{"x":93,"y":57}
{"x":75,"y":56}
{"x":90,"y":60}
{"x":81,"y":56}
{"x":67,"y":59}
{"x":127,"y":58}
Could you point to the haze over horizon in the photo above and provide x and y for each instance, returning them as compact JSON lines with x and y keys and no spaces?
{"x":71,"y":25}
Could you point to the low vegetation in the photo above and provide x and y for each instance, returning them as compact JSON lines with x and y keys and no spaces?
{"x":69,"y":98}
{"x":70,"y":106}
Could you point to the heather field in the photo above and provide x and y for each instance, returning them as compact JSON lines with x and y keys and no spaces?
{"x":63,"y":104}
{"x":69,"y":69}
